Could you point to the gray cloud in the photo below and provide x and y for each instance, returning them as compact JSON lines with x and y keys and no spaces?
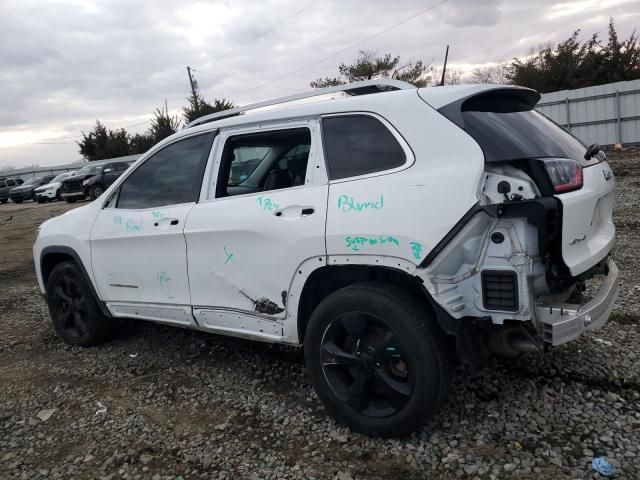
{"x":68,"y":63}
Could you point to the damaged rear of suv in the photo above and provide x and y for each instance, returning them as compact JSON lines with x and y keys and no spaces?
{"x":542,"y":227}
{"x":388,"y":232}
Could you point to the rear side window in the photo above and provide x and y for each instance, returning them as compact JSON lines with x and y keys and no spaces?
{"x":171,"y":176}
{"x":507,"y":128}
{"x":359,"y":144}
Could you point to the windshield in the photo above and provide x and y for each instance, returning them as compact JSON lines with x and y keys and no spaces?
{"x":31,"y":181}
{"x":59,"y":177}
{"x":89,"y":170}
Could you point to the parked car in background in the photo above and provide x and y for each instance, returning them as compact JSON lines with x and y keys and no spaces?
{"x":26,"y":190}
{"x":6,"y":184}
{"x":91,"y":180}
{"x":51,"y":190}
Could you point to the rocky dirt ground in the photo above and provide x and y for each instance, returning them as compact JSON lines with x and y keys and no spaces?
{"x":164,"y":403}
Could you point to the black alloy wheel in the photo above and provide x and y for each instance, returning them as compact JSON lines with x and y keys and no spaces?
{"x":377,"y":358}
{"x":73,"y":308}
{"x":69,"y":305}
{"x":366,"y":366}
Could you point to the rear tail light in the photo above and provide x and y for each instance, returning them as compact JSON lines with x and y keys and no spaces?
{"x":565,"y":174}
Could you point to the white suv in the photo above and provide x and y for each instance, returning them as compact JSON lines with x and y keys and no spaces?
{"x":390,"y":232}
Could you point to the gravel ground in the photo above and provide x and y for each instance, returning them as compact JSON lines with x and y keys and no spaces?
{"x":164,"y":403}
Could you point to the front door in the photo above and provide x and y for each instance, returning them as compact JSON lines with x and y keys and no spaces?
{"x":262,"y":215}
{"x":138,"y":250}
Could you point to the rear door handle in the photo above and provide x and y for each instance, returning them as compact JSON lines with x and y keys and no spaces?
{"x":307,"y":211}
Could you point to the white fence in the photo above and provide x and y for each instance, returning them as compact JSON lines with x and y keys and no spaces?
{"x":604,"y":114}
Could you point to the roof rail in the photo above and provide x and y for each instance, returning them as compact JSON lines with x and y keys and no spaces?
{"x":355,"y":88}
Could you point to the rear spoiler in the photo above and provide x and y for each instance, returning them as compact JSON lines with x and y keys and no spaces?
{"x":499,"y":100}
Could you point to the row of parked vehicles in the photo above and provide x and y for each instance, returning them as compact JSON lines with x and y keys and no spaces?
{"x":88,"y":182}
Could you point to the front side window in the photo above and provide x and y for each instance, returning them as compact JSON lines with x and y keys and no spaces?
{"x":264,"y":161}
{"x":170,"y":177}
{"x":359,"y":144}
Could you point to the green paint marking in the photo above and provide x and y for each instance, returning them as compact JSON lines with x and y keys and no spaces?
{"x":349,"y":204}
{"x":416,"y":248}
{"x":229,"y":256}
{"x":133,"y":226}
{"x":266,"y":204}
{"x":157,"y":214}
{"x":164,"y":278}
{"x":357,"y":243}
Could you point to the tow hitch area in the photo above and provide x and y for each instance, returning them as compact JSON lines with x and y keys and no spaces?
{"x":563,"y":322}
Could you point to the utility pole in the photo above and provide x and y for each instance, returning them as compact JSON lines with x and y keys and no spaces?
{"x":193,"y":88}
{"x":444,"y":68}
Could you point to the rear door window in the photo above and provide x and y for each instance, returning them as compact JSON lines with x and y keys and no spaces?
{"x":358,"y":145}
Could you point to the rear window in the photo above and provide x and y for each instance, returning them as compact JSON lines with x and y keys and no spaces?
{"x":511,"y":136}
{"x":507,"y":128}
{"x":359,"y":144}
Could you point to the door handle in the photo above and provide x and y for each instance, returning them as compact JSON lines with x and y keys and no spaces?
{"x":307,"y":211}
{"x":164,"y":221}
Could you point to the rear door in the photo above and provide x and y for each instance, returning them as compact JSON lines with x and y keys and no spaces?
{"x":262,"y":215}
{"x":138,"y":250}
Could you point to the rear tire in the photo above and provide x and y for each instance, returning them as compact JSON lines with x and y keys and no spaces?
{"x":74,"y":311}
{"x":4,"y":200}
{"x":377,"y":360}
{"x":17,"y":200}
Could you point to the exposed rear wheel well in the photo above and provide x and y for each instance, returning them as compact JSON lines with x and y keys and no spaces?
{"x":327,"y":280}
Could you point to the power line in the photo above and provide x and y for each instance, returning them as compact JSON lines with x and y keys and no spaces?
{"x":260,"y":35}
{"x":377,"y":34}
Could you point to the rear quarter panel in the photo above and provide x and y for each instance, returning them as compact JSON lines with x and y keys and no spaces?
{"x":405,"y":213}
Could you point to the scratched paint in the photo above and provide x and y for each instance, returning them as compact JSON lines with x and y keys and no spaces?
{"x":416,"y":249}
{"x":229,"y":255}
{"x":164,"y":279}
{"x":266,"y":204}
{"x":357,"y":243}
{"x":350,"y":204}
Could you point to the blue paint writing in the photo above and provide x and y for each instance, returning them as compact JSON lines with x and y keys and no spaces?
{"x":117,"y":220}
{"x":133,"y":226}
{"x":356,"y":243}
{"x":348,"y":204}
{"x":157,"y":214}
{"x":229,"y":256}
{"x":416,"y":248}
{"x":164,"y":279}
{"x":266,"y":204}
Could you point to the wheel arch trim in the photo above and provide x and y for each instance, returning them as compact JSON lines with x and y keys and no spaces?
{"x":65,"y":250}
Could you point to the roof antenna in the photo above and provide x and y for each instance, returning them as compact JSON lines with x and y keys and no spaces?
{"x":444,"y":68}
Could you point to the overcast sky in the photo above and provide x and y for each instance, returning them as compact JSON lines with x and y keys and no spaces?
{"x":65,"y":64}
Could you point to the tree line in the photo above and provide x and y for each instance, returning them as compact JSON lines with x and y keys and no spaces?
{"x":570,"y":64}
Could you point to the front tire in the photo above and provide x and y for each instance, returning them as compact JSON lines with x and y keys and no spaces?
{"x":74,"y":311}
{"x":95,"y":191}
{"x":377,"y":360}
